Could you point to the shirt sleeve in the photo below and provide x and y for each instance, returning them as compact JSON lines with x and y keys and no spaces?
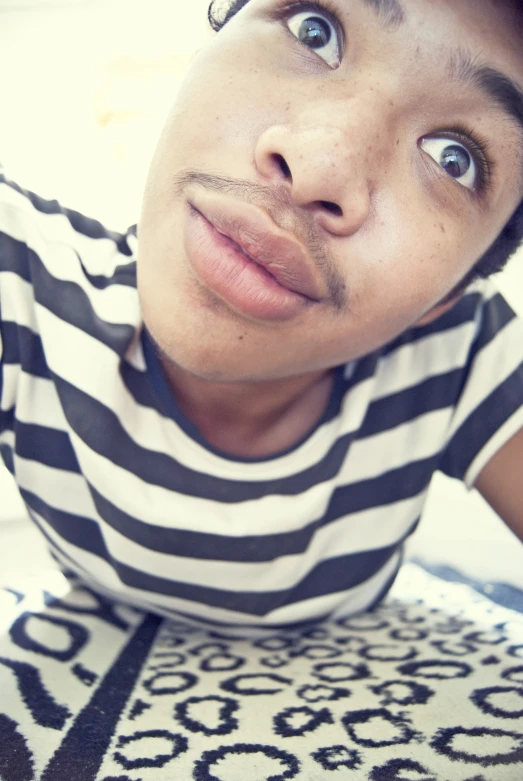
{"x":46,"y":251}
{"x":17,"y":318}
{"x":489,"y":409}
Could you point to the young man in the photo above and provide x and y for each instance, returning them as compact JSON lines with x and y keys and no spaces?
{"x":235,"y":415}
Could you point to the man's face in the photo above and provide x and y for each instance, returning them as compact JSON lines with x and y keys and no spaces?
{"x":350,"y":151}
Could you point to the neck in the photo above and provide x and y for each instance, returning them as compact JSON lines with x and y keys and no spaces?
{"x":251,"y":419}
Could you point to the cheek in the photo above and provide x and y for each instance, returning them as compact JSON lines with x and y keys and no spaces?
{"x":407,"y":264}
{"x":215,"y":107}
{"x":229,"y":97}
{"x":435,"y":245}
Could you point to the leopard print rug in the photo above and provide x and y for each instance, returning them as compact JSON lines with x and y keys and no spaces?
{"x":428,"y":687}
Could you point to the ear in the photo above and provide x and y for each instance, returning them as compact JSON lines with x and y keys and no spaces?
{"x":438,"y":310}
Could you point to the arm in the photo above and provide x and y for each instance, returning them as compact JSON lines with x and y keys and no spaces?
{"x":501,"y":483}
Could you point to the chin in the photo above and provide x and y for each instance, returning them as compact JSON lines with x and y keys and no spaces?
{"x":207,"y":362}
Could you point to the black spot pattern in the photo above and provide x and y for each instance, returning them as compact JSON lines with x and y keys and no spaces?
{"x":423,"y":688}
{"x":392,"y":771}
{"x":84,"y":675}
{"x":308,"y":718}
{"x":227,"y":707}
{"x":179,"y":744}
{"x":335,"y":757}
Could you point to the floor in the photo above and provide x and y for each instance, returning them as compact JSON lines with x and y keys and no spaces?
{"x":86,"y":85}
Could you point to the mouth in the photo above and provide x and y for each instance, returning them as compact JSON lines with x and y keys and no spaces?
{"x":239,"y":248}
{"x":254,"y":235}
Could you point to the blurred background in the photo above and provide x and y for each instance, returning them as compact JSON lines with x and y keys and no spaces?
{"x":85,"y":87}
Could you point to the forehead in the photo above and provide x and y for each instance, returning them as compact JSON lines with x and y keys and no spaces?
{"x":473,"y":44}
{"x":465,"y":42}
{"x":497,"y":25}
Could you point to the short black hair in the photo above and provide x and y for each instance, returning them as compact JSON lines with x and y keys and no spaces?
{"x":221,"y":13}
{"x":495,"y":258}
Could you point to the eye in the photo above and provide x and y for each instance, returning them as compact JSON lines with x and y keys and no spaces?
{"x":316,"y":30}
{"x":454,"y":158}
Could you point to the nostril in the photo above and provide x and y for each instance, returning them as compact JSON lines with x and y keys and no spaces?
{"x":282,"y":163}
{"x":332,"y":207}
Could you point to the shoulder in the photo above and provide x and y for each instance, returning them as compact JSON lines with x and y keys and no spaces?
{"x":37,"y":233}
{"x":500,"y":483}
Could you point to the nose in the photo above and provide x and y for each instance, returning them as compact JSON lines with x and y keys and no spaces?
{"x":325,"y":172}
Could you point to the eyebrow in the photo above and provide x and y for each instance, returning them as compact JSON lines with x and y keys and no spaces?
{"x":497,"y":86}
{"x":391,"y":11}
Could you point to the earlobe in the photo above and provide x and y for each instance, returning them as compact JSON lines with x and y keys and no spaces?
{"x":437,"y":311}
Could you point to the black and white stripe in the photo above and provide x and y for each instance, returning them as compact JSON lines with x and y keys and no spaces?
{"x":130,"y":497}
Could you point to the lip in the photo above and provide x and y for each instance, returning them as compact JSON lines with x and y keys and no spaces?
{"x":253,"y":231}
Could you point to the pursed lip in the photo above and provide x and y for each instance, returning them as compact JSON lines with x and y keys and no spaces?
{"x":251,"y":228}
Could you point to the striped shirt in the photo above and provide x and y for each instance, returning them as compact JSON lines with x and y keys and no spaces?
{"x":132,"y":499}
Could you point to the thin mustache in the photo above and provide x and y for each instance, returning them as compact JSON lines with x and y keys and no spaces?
{"x":280,"y":212}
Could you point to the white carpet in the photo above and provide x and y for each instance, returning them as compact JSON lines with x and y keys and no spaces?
{"x":427,"y":688}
